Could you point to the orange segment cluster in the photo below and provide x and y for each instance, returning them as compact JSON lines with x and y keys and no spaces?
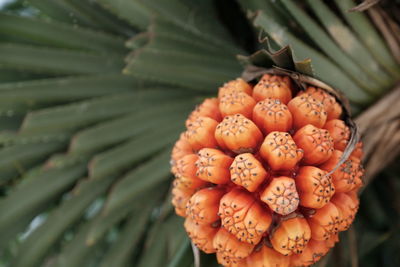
{"x":257,"y":175}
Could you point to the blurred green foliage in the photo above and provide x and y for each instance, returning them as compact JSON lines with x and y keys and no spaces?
{"x":93,"y":93}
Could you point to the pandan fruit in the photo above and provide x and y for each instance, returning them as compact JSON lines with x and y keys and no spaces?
{"x":260,"y":174}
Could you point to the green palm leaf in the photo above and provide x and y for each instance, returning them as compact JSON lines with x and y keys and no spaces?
{"x":93,"y":93}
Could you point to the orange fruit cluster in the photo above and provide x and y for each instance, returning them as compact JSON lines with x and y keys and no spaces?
{"x":252,"y":174}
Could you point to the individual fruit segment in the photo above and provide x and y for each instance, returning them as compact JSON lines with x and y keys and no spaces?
{"x":267,"y":257}
{"x":315,"y":187}
{"x":358,"y":152}
{"x":213,"y":166}
{"x":348,"y":207}
{"x":200,"y":133}
{"x":186,"y":166}
{"x":236,"y":102}
{"x":358,"y":182}
{"x":307,"y":110}
{"x":274,"y":87}
{"x":330,"y":243}
{"x":272,"y":115}
{"x":277,"y":78}
{"x":281,"y":195}
{"x":180,"y":149}
{"x":247,"y":171}
{"x":291,"y":236}
{"x":340,"y":133}
{"x":280,"y":151}
{"x":228,"y":262}
{"x":316,"y":143}
{"x":347,"y":176}
{"x":332,"y":107}
{"x":202,"y":207}
{"x":229,"y":249}
{"x":235,"y":85}
{"x":209,"y":108}
{"x":325,"y":222}
{"x":185,"y":173}
{"x":238,"y":134}
{"x":201,"y":235}
{"x":179,"y":200}
{"x":243,"y":216}
{"x":311,"y":254}
{"x":188,"y":184}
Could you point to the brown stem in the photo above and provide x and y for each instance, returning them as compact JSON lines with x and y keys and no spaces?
{"x":380,"y":19}
{"x":353,"y":246}
{"x":380,"y":130}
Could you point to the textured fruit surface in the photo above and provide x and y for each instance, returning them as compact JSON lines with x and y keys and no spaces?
{"x":257,"y":174}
